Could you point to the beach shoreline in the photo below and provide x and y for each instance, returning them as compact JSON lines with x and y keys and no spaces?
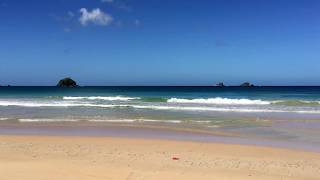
{"x":283,"y":117}
{"x":153,"y":130}
{"x":75,"y":157}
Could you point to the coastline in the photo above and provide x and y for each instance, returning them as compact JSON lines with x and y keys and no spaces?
{"x":151,"y":130}
{"x":265,"y":116}
{"x":75,"y":157}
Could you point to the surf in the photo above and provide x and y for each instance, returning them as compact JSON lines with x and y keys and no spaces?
{"x":220,"y":101}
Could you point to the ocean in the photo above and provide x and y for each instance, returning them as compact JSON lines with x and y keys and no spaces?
{"x":289,"y":114}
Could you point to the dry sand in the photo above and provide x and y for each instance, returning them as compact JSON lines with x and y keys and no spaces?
{"x":91,"y":158}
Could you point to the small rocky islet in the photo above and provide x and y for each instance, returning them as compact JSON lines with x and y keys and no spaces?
{"x":245,"y":84}
{"x":67,"y":82}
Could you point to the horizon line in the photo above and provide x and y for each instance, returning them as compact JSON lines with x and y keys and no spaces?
{"x":164,"y":86}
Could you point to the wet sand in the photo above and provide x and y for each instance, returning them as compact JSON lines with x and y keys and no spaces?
{"x":71,"y":157}
{"x":163,"y":131}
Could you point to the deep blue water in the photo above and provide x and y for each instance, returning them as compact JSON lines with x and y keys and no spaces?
{"x":268,"y":92}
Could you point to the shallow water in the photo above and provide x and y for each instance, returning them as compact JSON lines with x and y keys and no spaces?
{"x":282,"y":115}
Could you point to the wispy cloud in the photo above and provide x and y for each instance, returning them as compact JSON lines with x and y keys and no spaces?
{"x":220,"y":43}
{"x":107,"y":1}
{"x":67,"y":20}
{"x":96,"y":16}
{"x":67,"y":50}
{"x":67,"y":29}
{"x":118,"y":4}
{"x":119,"y":23}
{"x":71,"y":14}
{"x":137,"y":22}
{"x":4,"y":4}
{"x":63,"y":18}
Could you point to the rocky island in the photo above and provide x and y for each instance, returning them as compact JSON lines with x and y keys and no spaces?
{"x":220,"y":84}
{"x":67,"y":82}
{"x":246,"y":84}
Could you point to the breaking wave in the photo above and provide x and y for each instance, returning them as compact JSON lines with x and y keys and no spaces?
{"x":108,"y":98}
{"x":156,"y":107}
{"x":219,"y":100}
{"x":99,"y":120}
{"x":297,"y":103}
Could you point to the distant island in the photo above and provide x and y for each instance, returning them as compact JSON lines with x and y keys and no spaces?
{"x":67,"y":82}
{"x":245,"y":84}
{"x":220,"y":84}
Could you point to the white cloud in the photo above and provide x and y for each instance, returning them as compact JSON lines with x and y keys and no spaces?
{"x":107,"y":1}
{"x":96,"y":16}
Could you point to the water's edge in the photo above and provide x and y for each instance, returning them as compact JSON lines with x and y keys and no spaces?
{"x":144,"y":131}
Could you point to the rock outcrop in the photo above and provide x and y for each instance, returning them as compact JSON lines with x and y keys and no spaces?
{"x":220,"y":84}
{"x":246,"y":84}
{"x":67,"y":82}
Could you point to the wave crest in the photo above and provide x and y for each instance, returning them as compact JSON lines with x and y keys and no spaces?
{"x":219,"y":101}
{"x":108,"y":98}
{"x":297,"y":103}
{"x":156,"y":107}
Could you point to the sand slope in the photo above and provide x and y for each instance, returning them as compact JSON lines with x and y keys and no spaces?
{"x":93,"y":158}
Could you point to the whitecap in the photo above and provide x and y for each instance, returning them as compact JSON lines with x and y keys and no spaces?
{"x":108,"y":98}
{"x":156,"y":107}
{"x":48,"y":120}
{"x":220,"y":101}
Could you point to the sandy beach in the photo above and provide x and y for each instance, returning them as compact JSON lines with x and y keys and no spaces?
{"x":91,"y":158}
{"x":159,"y":90}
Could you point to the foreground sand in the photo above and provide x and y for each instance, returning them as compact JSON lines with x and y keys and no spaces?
{"x":41,"y":157}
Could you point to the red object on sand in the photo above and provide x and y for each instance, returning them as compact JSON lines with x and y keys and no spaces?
{"x":175,"y":158}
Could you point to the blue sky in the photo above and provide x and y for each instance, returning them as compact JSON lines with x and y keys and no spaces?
{"x":160,"y":42}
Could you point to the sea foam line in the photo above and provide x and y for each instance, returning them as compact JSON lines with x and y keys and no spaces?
{"x":99,"y":120}
{"x":108,"y":98}
{"x":156,"y":107}
{"x":293,"y":102}
{"x":112,"y":120}
{"x":48,"y":120}
{"x":219,"y":101}
{"x":134,"y":120}
{"x":54,"y":104}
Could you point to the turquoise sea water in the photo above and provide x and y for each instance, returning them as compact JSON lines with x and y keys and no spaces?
{"x":279,"y":113}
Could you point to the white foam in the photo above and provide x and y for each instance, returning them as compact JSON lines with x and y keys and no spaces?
{"x":194,"y":108}
{"x":156,"y":120}
{"x":218,"y":109}
{"x":4,"y":119}
{"x":112,"y":120}
{"x":100,"y":120}
{"x":53,"y":104}
{"x":156,"y":107}
{"x":219,"y":100}
{"x":302,"y":102}
{"x":199,"y":121}
{"x":108,"y":98}
{"x":48,"y":120}
{"x":214,"y":126}
{"x":34,"y":104}
{"x":134,"y":120}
